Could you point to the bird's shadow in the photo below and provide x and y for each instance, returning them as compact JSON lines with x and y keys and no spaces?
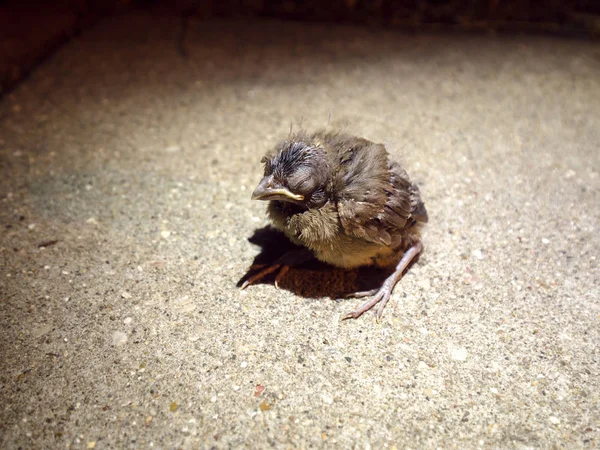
{"x":312,"y":279}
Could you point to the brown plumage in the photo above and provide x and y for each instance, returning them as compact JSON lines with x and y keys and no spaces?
{"x":346,"y":202}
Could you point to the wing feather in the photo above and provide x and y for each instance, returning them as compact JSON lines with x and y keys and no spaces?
{"x":375,"y":199}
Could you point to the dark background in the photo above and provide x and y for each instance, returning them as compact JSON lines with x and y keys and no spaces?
{"x":32,"y":30}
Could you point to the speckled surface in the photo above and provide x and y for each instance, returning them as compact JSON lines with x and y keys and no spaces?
{"x":125,"y":176}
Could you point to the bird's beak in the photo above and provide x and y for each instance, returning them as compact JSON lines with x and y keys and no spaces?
{"x":268,"y":189}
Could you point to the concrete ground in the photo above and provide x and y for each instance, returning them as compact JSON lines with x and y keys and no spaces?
{"x":127,"y":163}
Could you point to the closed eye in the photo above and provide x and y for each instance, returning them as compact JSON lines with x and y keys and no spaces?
{"x":302,"y":179}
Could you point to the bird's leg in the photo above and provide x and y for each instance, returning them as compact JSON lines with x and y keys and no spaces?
{"x":283,"y":264}
{"x":383,"y":294}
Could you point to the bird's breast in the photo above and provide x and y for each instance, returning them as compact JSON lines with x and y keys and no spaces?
{"x":320,"y":231}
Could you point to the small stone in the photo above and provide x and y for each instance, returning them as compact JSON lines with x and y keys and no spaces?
{"x":119,"y":338}
{"x":264,"y":406}
{"x":424,"y":283}
{"x":459,"y":354}
{"x":327,"y":398}
{"x":173,"y":406}
{"x":173,"y":148}
{"x":244,"y":364}
{"x":184,"y":304}
{"x":493,"y":390}
{"x":127,"y":320}
{"x":478,"y":254}
{"x":554,"y":420}
{"x":126,"y":295}
{"x":31,"y":226}
{"x":41,"y":331}
{"x":91,"y":444}
{"x":165,"y":234}
{"x":545,"y":241}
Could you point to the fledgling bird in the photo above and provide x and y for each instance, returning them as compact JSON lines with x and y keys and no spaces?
{"x":346,"y":203}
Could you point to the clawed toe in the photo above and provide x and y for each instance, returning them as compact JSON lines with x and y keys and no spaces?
{"x":282,"y":272}
{"x":381,"y":296}
{"x":351,"y":315}
{"x":260,"y":275}
{"x":361,"y":294}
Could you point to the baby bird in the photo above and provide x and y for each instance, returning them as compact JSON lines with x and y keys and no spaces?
{"x":346,"y":203}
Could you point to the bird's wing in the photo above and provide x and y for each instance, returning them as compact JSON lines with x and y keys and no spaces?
{"x":375,"y":198}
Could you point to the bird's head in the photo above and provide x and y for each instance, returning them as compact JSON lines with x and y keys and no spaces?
{"x":297,"y":173}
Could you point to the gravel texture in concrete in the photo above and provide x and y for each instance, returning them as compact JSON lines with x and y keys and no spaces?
{"x":127,"y":163}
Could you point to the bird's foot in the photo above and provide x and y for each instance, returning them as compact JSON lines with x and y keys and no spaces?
{"x":264,"y":272}
{"x":282,"y":264}
{"x":383,"y":294}
{"x":380,"y":296}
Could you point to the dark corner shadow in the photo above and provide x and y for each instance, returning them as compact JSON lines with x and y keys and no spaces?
{"x":313,"y":279}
